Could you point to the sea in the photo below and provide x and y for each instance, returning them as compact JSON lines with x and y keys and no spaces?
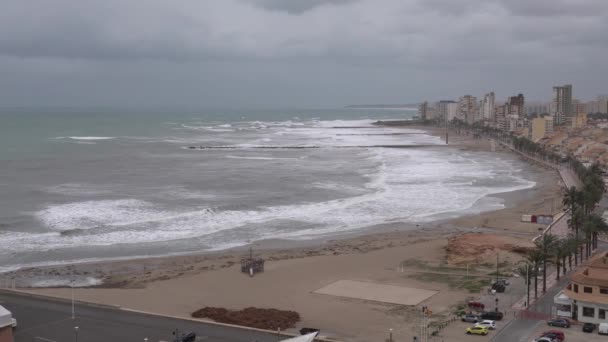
{"x":81,"y":185}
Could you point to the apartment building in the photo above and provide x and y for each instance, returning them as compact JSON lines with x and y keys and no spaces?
{"x":447,"y":109}
{"x":423,"y":110}
{"x":561,"y":107}
{"x":467,"y":109}
{"x":586,"y":297}
{"x":486,"y":107}
{"x":541,"y":127}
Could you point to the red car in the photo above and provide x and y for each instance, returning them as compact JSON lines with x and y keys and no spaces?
{"x":558,"y":333}
{"x":477,"y":306}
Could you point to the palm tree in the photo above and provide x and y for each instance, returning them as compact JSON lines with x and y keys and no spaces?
{"x":593,"y":225}
{"x":545,"y":244}
{"x":571,"y":198}
{"x":527,"y":271}
{"x":576,"y":220}
{"x":571,"y":248}
{"x":535,"y":258}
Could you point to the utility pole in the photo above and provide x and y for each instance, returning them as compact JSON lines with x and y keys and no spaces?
{"x":527,"y":286}
{"x":497,"y":267}
{"x":73,"y":311}
{"x":446,"y":128}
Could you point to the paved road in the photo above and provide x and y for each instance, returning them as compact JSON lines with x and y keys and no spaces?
{"x":43,"y":320}
{"x":520,"y":329}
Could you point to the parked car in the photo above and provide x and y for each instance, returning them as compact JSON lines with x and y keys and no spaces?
{"x":499,"y":287}
{"x":470,"y":318}
{"x":588,"y":327}
{"x":544,"y":339}
{"x":602,"y":329}
{"x":558,"y":333}
{"x":476,"y":305}
{"x":493,"y":315}
{"x":504,"y":282}
{"x":490,"y":324}
{"x":559,"y":322}
{"x":477,"y":331}
{"x":554,"y":336}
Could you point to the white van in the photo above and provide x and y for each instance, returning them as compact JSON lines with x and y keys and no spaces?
{"x":602,"y":329}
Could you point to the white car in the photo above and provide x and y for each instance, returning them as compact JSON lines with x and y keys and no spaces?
{"x":14,"y":323}
{"x":543,"y":339}
{"x":487,"y":323}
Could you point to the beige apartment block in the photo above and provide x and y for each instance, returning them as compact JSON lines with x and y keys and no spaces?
{"x":586,"y":297}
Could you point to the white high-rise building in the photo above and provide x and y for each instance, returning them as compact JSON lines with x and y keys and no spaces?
{"x":467,"y":110}
{"x":487,"y":107}
{"x":447,"y":109}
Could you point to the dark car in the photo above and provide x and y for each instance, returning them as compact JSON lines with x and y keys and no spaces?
{"x":470,"y":318}
{"x":588,"y":327}
{"x":498,"y":287}
{"x":559,"y":322}
{"x":188,"y":337}
{"x":493,"y":315}
{"x":305,"y":331}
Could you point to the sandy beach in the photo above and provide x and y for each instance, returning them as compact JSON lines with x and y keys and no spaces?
{"x":391,"y":254}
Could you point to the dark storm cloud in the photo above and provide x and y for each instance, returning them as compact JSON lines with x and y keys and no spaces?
{"x":419,"y":47}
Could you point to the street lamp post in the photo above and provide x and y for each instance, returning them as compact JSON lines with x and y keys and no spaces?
{"x":72,"y":286}
{"x":76,"y":333}
{"x":390,"y":335}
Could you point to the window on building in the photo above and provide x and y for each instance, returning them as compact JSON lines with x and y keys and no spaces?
{"x":588,"y":312}
{"x":588,"y":289}
{"x":576,"y":288}
{"x":603,"y":290}
{"x":602,"y":314}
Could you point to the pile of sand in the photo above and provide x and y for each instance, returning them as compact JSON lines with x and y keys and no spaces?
{"x":480,"y":248}
{"x":270,"y":319}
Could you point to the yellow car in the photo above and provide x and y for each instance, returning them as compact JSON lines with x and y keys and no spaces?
{"x":479,"y":330}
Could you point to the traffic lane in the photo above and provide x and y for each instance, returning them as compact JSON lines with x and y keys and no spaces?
{"x":48,"y":319}
{"x":521,"y":328}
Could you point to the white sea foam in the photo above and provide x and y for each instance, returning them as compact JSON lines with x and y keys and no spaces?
{"x":65,"y":282}
{"x":92,"y":138}
{"x":403,"y":185}
{"x":260,"y":158}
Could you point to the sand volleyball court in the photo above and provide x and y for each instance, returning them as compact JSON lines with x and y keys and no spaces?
{"x":376,"y":292}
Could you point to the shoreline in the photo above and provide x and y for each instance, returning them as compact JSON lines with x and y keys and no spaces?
{"x":467,"y":219}
{"x":398,"y":254}
{"x":510,"y":200}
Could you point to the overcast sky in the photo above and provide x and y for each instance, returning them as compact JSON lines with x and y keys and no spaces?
{"x":296,"y":53}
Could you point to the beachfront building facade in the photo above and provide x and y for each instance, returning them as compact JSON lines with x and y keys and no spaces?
{"x":467,"y":109}
{"x":446,"y":109}
{"x":423,"y":110}
{"x":486,"y":107}
{"x":586,"y":297}
{"x":541,"y":127}
{"x":561,"y":107}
